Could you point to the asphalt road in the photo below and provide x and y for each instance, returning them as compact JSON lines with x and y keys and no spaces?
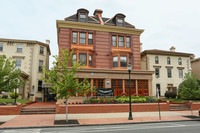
{"x":170,"y":127}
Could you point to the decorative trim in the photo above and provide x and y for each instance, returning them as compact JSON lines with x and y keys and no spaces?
{"x":169,"y":66}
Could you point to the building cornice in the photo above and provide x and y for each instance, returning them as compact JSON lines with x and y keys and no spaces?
{"x":26,"y":41}
{"x":168,"y":53}
{"x":100,"y":70}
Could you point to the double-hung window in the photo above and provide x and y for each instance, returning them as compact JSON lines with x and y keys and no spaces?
{"x":169,"y":72}
{"x":123,"y":61}
{"x":128,"y":42}
{"x":156,"y":60}
{"x":180,"y":71}
{"x":115,"y":61}
{"x":90,"y":60}
{"x":121,"y":41}
{"x":18,"y":63}
{"x":114,"y":41}
{"x":41,"y":50}
{"x":82,"y":17}
{"x":83,"y":58}
{"x":19,"y":48}
{"x":179,"y":61}
{"x":120,"y":22}
{"x":1,"y":47}
{"x":157,"y":72}
{"x":82,"y":38}
{"x":168,"y":61}
{"x":40,"y":66}
{"x":74,"y":58}
{"x":90,"y":38}
{"x":74,"y":37}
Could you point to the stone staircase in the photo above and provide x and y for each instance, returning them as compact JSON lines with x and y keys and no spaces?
{"x":38,"y":110}
{"x":179,"y":107}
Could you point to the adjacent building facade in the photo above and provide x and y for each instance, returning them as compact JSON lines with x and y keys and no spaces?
{"x":30,"y":56}
{"x":195,"y":63}
{"x":106,"y":46}
{"x":169,"y":66}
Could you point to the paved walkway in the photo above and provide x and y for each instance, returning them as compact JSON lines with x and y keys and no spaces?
{"x":95,"y":118}
{"x":30,"y":120}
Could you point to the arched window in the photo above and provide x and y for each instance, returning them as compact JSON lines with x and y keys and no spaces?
{"x":179,"y":61}
{"x":168,"y":60}
{"x":156,"y":60}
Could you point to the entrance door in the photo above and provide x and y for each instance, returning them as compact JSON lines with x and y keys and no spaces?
{"x":157,"y":87}
{"x":49,"y":96}
{"x":99,"y":83}
{"x":143,"y":89}
{"x":117,"y":85}
{"x":133,"y":87}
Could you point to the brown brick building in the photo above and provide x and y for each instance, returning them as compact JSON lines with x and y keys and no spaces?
{"x":107,"y":46}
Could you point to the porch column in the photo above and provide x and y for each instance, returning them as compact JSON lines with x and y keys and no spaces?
{"x":124,"y":87}
{"x":136,"y":86}
{"x":92,"y":84}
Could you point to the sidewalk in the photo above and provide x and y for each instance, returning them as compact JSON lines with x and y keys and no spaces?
{"x":95,"y":118}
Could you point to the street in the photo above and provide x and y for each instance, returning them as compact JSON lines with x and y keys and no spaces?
{"x":176,"y":127}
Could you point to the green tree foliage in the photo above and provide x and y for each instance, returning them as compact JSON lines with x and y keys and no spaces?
{"x":189,"y":89}
{"x":9,"y":76}
{"x":62,"y":78}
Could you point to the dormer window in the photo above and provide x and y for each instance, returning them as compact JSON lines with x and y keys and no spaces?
{"x":82,"y":18}
{"x":119,"y":19}
{"x":82,"y":15}
{"x":120,"y":22}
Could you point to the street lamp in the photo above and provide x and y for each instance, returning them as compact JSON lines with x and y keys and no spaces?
{"x":129,"y":67}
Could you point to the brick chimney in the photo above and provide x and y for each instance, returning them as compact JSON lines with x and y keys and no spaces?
{"x":98,"y":13}
{"x":172,"y":49}
{"x":48,"y":42}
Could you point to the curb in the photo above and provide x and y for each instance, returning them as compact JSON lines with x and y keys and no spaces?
{"x":77,"y":125}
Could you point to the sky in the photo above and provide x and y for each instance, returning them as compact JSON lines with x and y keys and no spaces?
{"x":166,"y":23}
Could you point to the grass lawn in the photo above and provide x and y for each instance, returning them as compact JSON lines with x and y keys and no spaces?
{"x":22,"y":101}
{"x":179,"y":100}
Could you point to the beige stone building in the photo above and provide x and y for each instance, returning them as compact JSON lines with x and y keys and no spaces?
{"x":169,"y":66}
{"x":29,"y":55}
{"x":195,"y":64}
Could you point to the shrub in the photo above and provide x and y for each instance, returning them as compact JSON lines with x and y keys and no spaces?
{"x":170,"y":95}
{"x":5,"y":96}
{"x":150,"y":99}
{"x":12,"y":95}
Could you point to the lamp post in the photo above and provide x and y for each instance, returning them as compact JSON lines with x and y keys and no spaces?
{"x":129,"y":67}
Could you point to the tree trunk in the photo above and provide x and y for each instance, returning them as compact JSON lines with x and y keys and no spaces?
{"x":66,"y":111}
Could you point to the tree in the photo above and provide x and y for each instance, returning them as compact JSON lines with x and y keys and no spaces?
{"x":189,"y":88}
{"x":62,"y":78}
{"x":9,"y":76}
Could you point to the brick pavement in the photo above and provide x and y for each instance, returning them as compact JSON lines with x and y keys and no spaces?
{"x":84,"y":119}
{"x":30,"y":120}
